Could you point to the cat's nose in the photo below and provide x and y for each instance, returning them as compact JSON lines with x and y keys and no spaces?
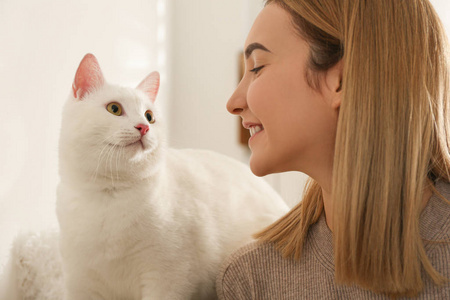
{"x":143,"y":129}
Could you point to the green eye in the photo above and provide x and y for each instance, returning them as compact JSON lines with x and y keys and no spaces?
{"x":114,"y":108}
{"x":149,"y":116}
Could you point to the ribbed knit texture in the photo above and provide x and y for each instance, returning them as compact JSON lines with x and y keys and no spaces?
{"x":257,"y":271}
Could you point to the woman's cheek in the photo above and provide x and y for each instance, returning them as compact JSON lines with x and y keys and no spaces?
{"x":259,"y":92}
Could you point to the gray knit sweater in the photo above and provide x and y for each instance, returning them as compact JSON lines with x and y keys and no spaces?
{"x":257,"y":271}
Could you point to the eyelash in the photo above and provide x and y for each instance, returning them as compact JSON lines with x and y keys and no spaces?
{"x":256,"y":70}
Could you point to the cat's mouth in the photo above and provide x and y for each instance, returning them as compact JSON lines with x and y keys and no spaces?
{"x":137,"y":143}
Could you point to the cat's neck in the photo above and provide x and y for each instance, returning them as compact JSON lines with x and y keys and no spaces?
{"x":115,"y":184}
{"x":136,"y":176}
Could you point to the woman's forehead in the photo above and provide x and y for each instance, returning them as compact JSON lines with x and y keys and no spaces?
{"x":272,"y":28}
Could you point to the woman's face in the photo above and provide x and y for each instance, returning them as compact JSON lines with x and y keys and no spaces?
{"x":297,"y":123}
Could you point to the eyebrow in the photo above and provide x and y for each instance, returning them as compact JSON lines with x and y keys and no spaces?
{"x":253,"y":46}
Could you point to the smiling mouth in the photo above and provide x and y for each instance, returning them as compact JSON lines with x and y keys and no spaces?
{"x":255,"y":129}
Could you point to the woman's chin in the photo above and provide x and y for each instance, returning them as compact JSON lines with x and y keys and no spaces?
{"x":258,"y":168}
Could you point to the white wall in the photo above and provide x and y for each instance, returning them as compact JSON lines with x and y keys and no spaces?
{"x":205,"y":44}
{"x":443,"y":9}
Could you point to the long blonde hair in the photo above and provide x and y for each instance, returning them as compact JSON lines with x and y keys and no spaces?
{"x":393,"y":137}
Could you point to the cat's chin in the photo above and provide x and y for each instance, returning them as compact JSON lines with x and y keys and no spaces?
{"x":137,"y":144}
{"x":134,"y":149}
{"x":133,"y":145}
{"x":140,"y":151}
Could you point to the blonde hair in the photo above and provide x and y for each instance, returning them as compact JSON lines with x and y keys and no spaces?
{"x":393,"y":137}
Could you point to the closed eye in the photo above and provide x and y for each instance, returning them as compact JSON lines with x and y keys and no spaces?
{"x":256,"y":70}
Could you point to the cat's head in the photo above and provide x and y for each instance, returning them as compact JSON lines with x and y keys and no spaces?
{"x":110,"y":133}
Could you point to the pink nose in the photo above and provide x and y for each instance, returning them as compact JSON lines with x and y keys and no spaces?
{"x":143,"y":129}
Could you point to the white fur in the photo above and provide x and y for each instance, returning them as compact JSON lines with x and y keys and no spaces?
{"x":148,"y":222}
{"x":34,"y":269}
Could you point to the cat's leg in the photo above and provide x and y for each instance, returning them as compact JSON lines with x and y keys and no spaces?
{"x":162,"y":288}
{"x":159,"y":294}
{"x":78,"y":294}
{"x":80,"y":287}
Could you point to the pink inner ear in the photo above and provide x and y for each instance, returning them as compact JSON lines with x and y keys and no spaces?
{"x":88,"y":77}
{"x":150,"y":85}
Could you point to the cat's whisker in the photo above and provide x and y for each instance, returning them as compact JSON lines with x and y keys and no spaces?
{"x":110,"y":158}
{"x":104,"y":141}
{"x":122,"y":153}
{"x":119,"y":151}
{"x":99,"y":161}
{"x":113,"y":153}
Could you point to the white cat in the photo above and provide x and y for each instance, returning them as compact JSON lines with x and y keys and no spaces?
{"x":139,"y":220}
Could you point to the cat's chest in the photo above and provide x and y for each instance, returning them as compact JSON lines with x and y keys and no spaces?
{"x":103,"y":223}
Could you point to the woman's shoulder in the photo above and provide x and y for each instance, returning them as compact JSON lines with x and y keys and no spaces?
{"x":435,"y":218}
{"x":443,"y":187}
{"x":237,"y":271}
{"x":245,"y":256}
{"x":435,"y":228}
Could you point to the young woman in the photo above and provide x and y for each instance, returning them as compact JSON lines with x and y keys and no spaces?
{"x":354,"y":93}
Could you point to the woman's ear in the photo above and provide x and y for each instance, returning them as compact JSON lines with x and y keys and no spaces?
{"x":333,"y":83}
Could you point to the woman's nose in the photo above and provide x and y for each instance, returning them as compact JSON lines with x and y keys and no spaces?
{"x":237,"y":102}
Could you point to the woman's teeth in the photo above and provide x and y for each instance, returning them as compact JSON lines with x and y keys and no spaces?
{"x":255,"y":129}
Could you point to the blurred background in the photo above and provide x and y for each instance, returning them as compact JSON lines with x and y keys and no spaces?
{"x":194,"y":44}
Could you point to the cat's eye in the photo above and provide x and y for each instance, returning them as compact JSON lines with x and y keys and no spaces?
{"x":114,"y":108}
{"x":149,"y":116}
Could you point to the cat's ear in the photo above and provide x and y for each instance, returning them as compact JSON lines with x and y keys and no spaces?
{"x":150,"y":85}
{"x":88,"y":77}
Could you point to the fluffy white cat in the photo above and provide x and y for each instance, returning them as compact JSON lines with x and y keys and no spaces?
{"x":139,"y":220}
